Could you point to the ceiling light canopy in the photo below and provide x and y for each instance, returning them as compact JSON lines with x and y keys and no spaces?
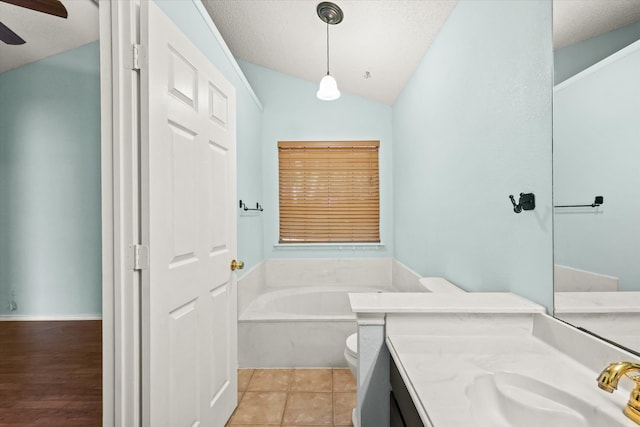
{"x":331,"y":14}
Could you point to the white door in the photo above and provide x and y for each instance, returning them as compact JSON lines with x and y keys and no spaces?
{"x":189,"y":329}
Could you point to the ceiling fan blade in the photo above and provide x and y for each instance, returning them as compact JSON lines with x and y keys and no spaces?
{"x":8,"y":36}
{"x":51,"y":7}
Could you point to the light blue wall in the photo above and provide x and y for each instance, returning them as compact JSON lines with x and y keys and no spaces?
{"x":293,"y":113}
{"x":50,"y":185}
{"x":596,"y":152}
{"x":472,"y":126}
{"x":249,"y":118}
{"x":572,"y":59}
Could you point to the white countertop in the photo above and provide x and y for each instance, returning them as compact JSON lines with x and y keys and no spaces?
{"x":597,"y":302}
{"x":426,"y":302}
{"x":442,"y":343}
{"x":439,"y":369}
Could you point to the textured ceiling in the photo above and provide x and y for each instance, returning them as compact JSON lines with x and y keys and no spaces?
{"x":46,"y":35}
{"x":386,"y":38}
{"x":578,"y":20}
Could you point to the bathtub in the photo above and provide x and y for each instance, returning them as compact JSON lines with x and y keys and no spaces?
{"x":298,"y":327}
{"x":315,"y":303}
{"x":287,"y":325}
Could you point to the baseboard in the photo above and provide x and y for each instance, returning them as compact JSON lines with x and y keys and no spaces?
{"x":48,"y":318}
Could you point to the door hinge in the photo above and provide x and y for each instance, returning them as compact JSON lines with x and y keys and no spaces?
{"x":137,"y":257}
{"x":138,"y":57}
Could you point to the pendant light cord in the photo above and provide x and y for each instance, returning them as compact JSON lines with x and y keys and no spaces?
{"x":327,"y":48}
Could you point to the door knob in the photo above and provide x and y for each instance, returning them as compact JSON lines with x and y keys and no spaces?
{"x":237,"y":265}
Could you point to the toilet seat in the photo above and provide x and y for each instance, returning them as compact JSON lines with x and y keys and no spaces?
{"x":352,"y":345}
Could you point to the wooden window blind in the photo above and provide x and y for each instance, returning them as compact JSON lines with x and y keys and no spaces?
{"x":329,"y":192}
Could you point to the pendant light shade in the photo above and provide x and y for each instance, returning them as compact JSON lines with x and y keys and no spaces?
{"x":332,"y":15}
{"x":328,"y":90}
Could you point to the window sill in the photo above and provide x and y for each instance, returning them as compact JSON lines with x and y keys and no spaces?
{"x":329,"y":246}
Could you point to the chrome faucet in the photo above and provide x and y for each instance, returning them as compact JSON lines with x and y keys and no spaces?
{"x":608,"y":381}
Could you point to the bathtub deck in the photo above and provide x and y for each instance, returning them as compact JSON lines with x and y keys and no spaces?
{"x":293,"y":397}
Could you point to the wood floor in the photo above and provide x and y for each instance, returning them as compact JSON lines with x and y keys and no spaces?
{"x":51,"y":374}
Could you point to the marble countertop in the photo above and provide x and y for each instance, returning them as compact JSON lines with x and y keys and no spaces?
{"x":443,"y":342}
{"x":426,"y":302}
{"x":597,"y":302}
{"x":439,"y":369}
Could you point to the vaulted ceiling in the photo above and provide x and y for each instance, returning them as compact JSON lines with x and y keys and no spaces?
{"x":386,"y":38}
{"x":374,"y":51}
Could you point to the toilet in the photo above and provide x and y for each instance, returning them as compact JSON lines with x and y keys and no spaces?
{"x":351,"y":356}
{"x":351,"y":353}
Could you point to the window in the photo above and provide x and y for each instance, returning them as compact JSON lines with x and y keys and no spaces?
{"x":329,"y":192}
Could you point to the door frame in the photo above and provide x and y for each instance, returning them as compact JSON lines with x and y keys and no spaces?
{"x":120,"y":185}
{"x":120,"y":220}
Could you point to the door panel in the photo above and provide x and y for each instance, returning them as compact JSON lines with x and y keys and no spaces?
{"x":220,"y":362}
{"x":218,"y":189}
{"x":188,"y":221}
{"x":183,"y":194}
{"x":183,"y":372}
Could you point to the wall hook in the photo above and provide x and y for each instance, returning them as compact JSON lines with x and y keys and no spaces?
{"x":244,"y":207}
{"x":527,"y":202}
{"x":516,"y":207}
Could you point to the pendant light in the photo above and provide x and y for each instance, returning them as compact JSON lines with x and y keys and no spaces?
{"x":331,"y":14}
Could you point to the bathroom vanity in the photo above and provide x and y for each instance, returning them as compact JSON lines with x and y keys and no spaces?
{"x":479,"y":359}
{"x":402,"y":410}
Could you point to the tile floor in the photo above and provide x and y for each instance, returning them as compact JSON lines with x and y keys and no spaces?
{"x":294,"y":397}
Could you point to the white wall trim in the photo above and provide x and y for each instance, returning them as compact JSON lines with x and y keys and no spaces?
{"x":598,"y":66}
{"x":109,"y":333}
{"x":120,"y":285}
{"x":216,"y":34}
{"x":51,"y":318}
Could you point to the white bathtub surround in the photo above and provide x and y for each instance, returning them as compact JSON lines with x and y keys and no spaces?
{"x":275,"y":274}
{"x":438,"y":285}
{"x":405,"y":279}
{"x":312,"y":303}
{"x":614,"y":315}
{"x":293,"y":343}
{"x":568,"y":279}
{"x":250,"y":285}
{"x":296,"y":313}
{"x":297,"y":327}
{"x":442,"y":347}
{"x":286,"y":273}
{"x":596,"y":302}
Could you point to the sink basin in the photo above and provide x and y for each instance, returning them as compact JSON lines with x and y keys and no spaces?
{"x":506,"y":399}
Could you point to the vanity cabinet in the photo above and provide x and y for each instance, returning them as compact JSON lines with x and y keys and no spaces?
{"x":403,"y":411}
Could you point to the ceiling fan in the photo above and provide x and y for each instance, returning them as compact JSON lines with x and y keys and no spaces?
{"x":51,"y":7}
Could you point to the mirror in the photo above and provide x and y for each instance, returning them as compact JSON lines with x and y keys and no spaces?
{"x":596,"y":153}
